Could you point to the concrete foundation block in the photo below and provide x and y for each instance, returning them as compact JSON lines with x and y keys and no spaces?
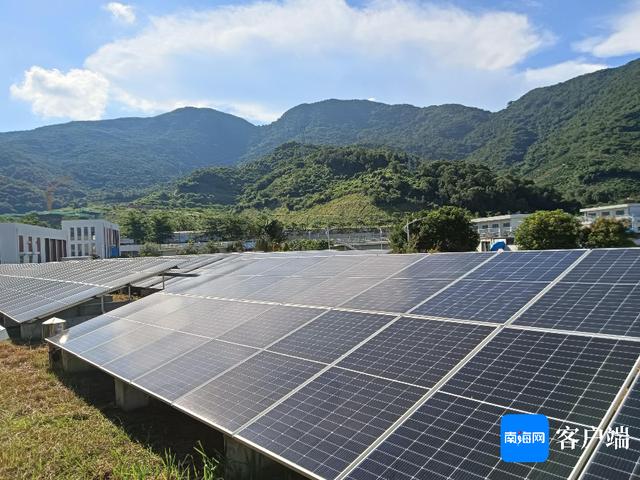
{"x":244,"y":463}
{"x":129,"y":398}
{"x":31,"y":331}
{"x":72,"y":364}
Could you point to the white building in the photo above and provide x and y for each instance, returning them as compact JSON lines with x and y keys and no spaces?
{"x":629,"y":212}
{"x":88,"y":238}
{"x":498,"y":231}
{"x":21,"y":243}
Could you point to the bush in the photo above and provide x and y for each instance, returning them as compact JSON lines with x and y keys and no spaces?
{"x":545,"y":230}
{"x":445,"y":229}
{"x":607,"y":233}
{"x":303,"y":244}
{"x":190,"y":249}
{"x":150,"y":250}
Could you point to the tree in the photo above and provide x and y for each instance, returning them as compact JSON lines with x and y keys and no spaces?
{"x":545,"y":230}
{"x":159,"y":228}
{"x":444,"y":229}
{"x":607,"y":233}
{"x":447,"y":229}
{"x":134,"y":225}
{"x":273,"y":230}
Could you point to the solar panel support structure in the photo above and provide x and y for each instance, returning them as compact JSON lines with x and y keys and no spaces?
{"x":128,"y":397}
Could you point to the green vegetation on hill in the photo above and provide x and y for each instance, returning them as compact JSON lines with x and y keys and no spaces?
{"x":581,"y":137}
{"x":305,"y":178}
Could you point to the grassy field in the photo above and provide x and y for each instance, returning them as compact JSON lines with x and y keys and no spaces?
{"x":55,"y":426}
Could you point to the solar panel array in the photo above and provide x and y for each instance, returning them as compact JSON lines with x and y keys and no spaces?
{"x":30,"y":291}
{"x":397,"y":366}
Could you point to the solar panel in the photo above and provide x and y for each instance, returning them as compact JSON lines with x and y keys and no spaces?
{"x":243,"y":392}
{"x":488,"y":301}
{"x":83,"y":328}
{"x":270,"y":326}
{"x":610,"y":462}
{"x":453,"y":437}
{"x":188,"y":371}
{"x":540,"y":266}
{"x":416,"y":351}
{"x":282,"y":290}
{"x":620,"y":265}
{"x":381,"y":265}
{"x":396,"y":295}
{"x":334,"y":291}
{"x":597,"y":308}
{"x":153,"y":354}
{"x":333,"y":265}
{"x":569,"y":377}
{"x":205,"y":317}
{"x":107,"y":328}
{"x":444,"y":265}
{"x":28,"y":292}
{"x":331,"y":335}
{"x":326,"y":424}
{"x":123,"y":344}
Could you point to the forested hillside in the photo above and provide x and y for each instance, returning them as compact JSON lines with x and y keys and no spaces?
{"x":298,"y":177}
{"x":581,"y":136}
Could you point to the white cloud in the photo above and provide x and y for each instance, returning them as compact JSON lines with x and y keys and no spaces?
{"x":560,"y":72}
{"x":78,"y":94}
{"x":486,"y":41}
{"x":121,"y":12}
{"x":624,"y":38}
{"x":274,"y":54}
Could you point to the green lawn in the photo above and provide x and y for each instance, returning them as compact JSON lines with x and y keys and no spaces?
{"x":55,"y":426}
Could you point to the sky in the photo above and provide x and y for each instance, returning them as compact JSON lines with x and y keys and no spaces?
{"x":63,"y":60}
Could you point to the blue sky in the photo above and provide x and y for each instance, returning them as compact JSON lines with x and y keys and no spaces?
{"x":64,"y":60}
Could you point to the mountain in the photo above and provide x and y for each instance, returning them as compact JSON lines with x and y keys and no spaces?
{"x":581,"y":136}
{"x":328,"y":180}
{"x":115,"y":159}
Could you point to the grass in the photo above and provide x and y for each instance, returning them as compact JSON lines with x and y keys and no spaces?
{"x":55,"y":426}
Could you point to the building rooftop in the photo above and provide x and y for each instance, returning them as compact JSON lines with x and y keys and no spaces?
{"x":500,"y":217}
{"x":610,"y":207}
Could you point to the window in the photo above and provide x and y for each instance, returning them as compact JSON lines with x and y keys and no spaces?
{"x":73,"y":249}
{"x":606,"y":214}
{"x":30,"y":244}
{"x":484,"y":227}
{"x":93,"y":249}
{"x":79,"y":234}
{"x":592,"y":214}
{"x":495,"y":225}
{"x":38,"y":245}
{"x":21,"y":243}
{"x":86,"y":233}
{"x":507,"y":225}
{"x":87,"y":249}
{"x":72,"y":234}
{"x":619,"y":213}
{"x":79,"y":250}
{"x":93,"y":233}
